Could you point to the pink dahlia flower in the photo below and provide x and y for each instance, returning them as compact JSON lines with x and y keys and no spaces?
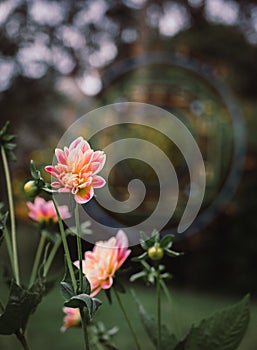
{"x":71,"y":319}
{"x":43,"y":211}
{"x":106,"y":258}
{"x":76,"y":170}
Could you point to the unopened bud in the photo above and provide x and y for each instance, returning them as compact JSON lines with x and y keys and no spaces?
{"x":155,"y":252}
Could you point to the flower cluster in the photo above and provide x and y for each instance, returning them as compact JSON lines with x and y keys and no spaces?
{"x":76,"y":170}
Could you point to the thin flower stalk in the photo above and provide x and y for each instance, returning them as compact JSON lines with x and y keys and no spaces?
{"x":65,"y":247}
{"x":127,"y":319}
{"x":9,"y":246}
{"x":158,"y":292}
{"x":51,"y":256}
{"x":80,"y":257}
{"x":12,"y":216}
{"x":37,"y":260}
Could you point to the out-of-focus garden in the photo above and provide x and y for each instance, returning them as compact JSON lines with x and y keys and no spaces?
{"x":62,"y":59}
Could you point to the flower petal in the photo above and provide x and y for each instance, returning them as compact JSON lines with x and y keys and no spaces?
{"x":84,"y":195}
{"x":98,"y":181}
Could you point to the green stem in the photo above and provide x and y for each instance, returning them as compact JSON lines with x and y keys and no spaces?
{"x":9,"y":246}
{"x":51,"y":257}
{"x":65,"y":247}
{"x":158,"y":292}
{"x":127,"y":319}
{"x":84,"y":327}
{"x":37,"y":260}
{"x":21,"y":337}
{"x":166,"y":291}
{"x":79,"y":247}
{"x":12,"y":216}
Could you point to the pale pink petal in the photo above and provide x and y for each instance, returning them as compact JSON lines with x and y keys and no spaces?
{"x":64,"y":212}
{"x":51,"y":170}
{"x":56,"y":184}
{"x":60,"y":156}
{"x":98,"y":181}
{"x":75,"y":143}
{"x":122,"y":240}
{"x":64,"y":190}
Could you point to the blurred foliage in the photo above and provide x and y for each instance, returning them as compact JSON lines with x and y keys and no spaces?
{"x":43,"y":41}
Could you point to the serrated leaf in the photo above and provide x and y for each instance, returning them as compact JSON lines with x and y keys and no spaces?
{"x":223,"y":330}
{"x":168,"y":340}
{"x":21,"y":304}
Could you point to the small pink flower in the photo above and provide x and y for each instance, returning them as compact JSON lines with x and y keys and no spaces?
{"x":106,"y":258}
{"x":43,"y":211}
{"x":76,"y":170}
{"x":71,"y":319}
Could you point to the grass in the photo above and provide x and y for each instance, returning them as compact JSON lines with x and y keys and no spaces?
{"x":187,"y":307}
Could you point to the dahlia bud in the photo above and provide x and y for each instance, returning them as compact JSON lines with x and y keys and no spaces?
{"x":155,"y":252}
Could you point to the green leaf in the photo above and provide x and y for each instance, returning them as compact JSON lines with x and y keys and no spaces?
{"x":4,"y":128}
{"x":67,"y":279}
{"x":168,"y":340}
{"x":84,"y":300}
{"x":21,"y":304}
{"x":166,"y":241}
{"x":224,"y":330}
{"x":67,"y":290}
{"x":86,"y":285}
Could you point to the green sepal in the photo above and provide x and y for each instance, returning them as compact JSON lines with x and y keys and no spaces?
{"x":136,"y":276}
{"x":171,"y":253}
{"x":140,"y":257}
{"x":166,"y":241}
{"x":34,"y":172}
